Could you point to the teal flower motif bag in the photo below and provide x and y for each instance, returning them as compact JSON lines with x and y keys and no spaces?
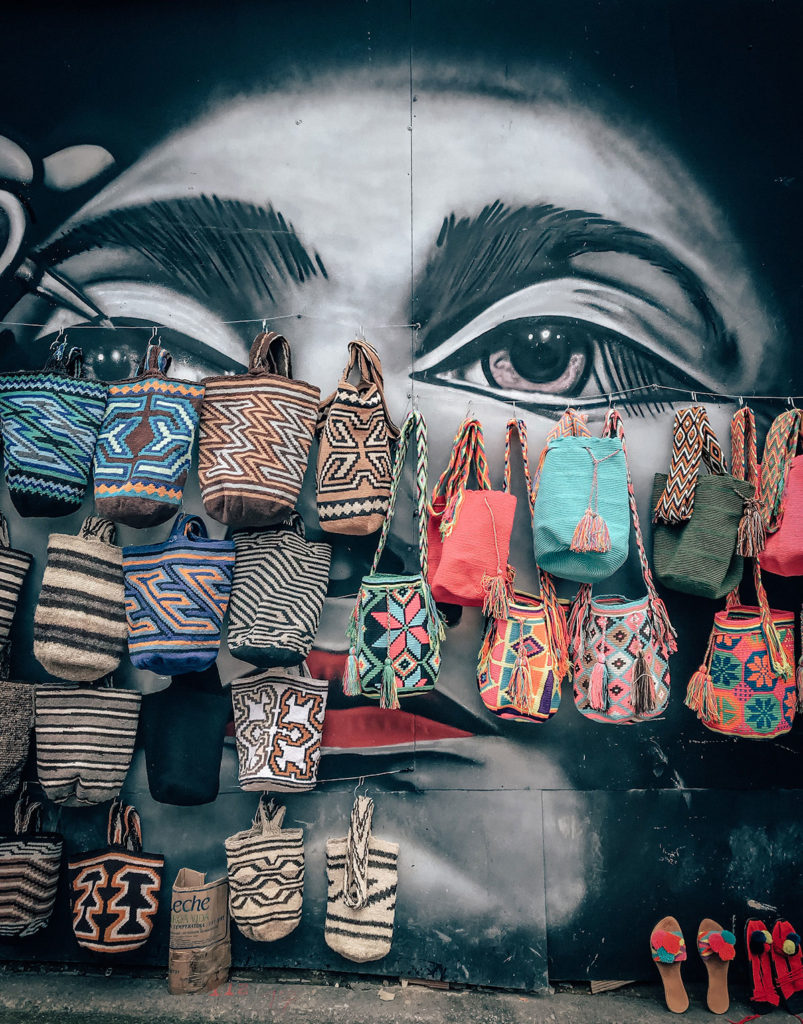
{"x":395,"y":631}
{"x":581,"y":517}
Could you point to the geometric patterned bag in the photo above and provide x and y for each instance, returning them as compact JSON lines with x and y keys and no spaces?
{"x":266,"y":875}
{"x":621,"y":647}
{"x":363,"y":874}
{"x":143,"y":451}
{"x":50,"y":422}
{"x":14,"y":566}
{"x":354,"y":435}
{"x":255,"y":436}
{"x":277,"y":594}
{"x":114,"y":892}
{"x":176,"y":595}
{"x":29,"y":871}
{"x":278,"y":725}
{"x":395,"y":631}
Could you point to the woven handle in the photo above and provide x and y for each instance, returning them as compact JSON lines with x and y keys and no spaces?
{"x":693,"y":443}
{"x":779,"y":450}
{"x":5,"y":541}
{"x":65,"y":360}
{"x":468,"y":452}
{"x":778,"y":657}
{"x":269,"y":816}
{"x":193,"y":528}
{"x":155,"y":360}
{"x":27,"y":813}
{"x":270,"y":353}
{"x":99,"y":529}
{"x":355,"y":873}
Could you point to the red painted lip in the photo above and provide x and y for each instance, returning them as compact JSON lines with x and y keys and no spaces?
{"x":361,"y":727}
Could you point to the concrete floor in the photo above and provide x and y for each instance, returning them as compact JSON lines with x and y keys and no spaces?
{"x":72,"y":998}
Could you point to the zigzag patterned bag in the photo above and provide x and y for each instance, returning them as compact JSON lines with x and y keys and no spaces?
{"x":266,"y":875}
{"x":354,"y":437}
{"x":278,"y":725}
{"x":16,"y":716}
{"x":395,"y":631}
{"x":363,"y":875}
{"x":30,"y":860}
{"x":255,"y":436}
{"x":50,"y":422}
{"x":176,"y":594}
{"x":14,"y":566}
{"x":145,"y":443}
{"x":621,"y":647}
{"x":84,"y":741}
{"x":277,"y":596}
{"x":114,"y":892}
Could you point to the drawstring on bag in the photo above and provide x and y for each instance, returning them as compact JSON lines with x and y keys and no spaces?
{"x":591,"y":533}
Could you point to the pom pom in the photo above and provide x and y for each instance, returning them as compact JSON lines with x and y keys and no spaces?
{"x":759,"y":940}
{"x":724,"y":948}
{"x":729,"y":937}
{"x":789,"y":947}
{"x":667,"y":940}
{"x":591,"y":533}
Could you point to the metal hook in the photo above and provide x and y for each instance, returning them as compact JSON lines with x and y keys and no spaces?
{"x":154,"y":332}
{"x":360,"y":782}
{"x":693,"y":396}
{"x":741,"y":402}
{"x":790,"y":402}
{"x":360,"y":333}
{"x":265,"y":325}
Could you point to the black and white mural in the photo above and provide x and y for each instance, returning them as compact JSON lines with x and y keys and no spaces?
{"x":522,"y":206}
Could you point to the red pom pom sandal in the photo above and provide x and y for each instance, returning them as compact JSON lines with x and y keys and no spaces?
{"x":668,"y":951}
{"x":717,"y":947}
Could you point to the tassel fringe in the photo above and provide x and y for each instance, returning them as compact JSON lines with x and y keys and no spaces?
{"x":351,"y":680}
{"x":388,"y":691}
{"x":591,"y":533}
{"x":643,"y":686}
{"x":700,"y":696}
{"x":498,"y":591}
{"x":598,"y":690}
{"x":752,"y":535}
{"x":520,"y":689}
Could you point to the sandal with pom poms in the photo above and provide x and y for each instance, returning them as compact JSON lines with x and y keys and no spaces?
{"x":668,"y":950}
{"x":717,"y":947}
{"x":787,"y":963}
{"x":758,"y":941}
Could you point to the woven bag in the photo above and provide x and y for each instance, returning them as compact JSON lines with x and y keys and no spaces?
{"x":266,"y":875}
{"x":79,"y":627}
{"x":84,"y":741}
{"x":782,"y":496}
{"x":395,"y":631}
{"x":697,"y":519}
{"x":523,"y":658}
{"x":277,"y":595}
{"x":255,"y":436}
{"x":468,"y":532}
{"x":50,"y":422}
{"x":145,"y":443}
{"x":746,"y":683}
{"x":278,"y":725}
{"x":581,"y":514}
{"x":363,"y":875}
{"x":355,"y":432}
{"x":14,"y":566}
{"x":183,"y":728}
{"x":30,"y":861}
{"x":16,"y":716}
{"x":176,"y":594}
{"x":114,"y":892}
{"x":621,"y":647}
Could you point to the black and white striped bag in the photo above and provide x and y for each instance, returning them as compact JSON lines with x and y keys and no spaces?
{"x":266,"y":875}
{"x":14,"y":566}
{"x":277,"y":595}
{"x":363,"y":874}
{"x":84,"y":741}
{"x":29,"y":871}
{"x":79,"y":628}
{"x":16,"y":721}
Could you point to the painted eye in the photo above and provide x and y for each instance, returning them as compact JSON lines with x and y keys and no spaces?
{"x":536,"y":355}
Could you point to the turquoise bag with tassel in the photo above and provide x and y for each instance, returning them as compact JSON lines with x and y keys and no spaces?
{"x":581,"y":519}
{"x":395,"y":631}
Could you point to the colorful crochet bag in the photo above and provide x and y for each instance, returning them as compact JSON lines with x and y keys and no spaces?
{"x":176,"y":594}
{"x":50,"y":421}
{"x":782,"y":496}
{"x":30,"y":861}
{"x":355,"y":432}
{"x":14,"y":566}
{"x":277,"y":595}
{"x":621,"y":647}
{"x":255,"y":436}
{"x":278,"y":725}
{"x":114,"y":892}
{"x":523,"y":658}
{"x":79,"y":627}
{"x":16,"y":715}
{"x":84,"y":741}
{"x":581,"y":514}
{"x":746,"y":683}
{"x":363,"y":876}
{"x":145,"y":443}
{"x":697,"y":519}
{"x":395,"y":631}
{"x":266,"y":875}
{"x":468,"y":531}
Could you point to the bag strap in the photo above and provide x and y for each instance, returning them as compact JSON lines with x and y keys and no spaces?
{"x":414,"y":425}
{"x":5,"y":541}
{"x":693,"y":442}
{"x":189,"y":526}
{"x":114,"y":831}
{"x":366,"y":356}
{"x":519,"y":427}
{"x":779,"y":450}
{"x":355,"y":873}
{"x":98,"y":528}
{"x":132,"y":829}
{"x":27,"y":813}
{"x":468,"y":451}
{"x":752,"y":533}
{"x":270,"y":353}
{"x":65,"y":360}
{"x":155,"y":360}
{"x":269,"y":816}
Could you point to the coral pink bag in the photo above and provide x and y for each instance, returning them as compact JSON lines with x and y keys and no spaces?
{"x":782,"y":496}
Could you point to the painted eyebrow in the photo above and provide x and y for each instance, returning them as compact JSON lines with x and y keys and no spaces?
{"x":479,"y":260}
{"x":207,"y":245}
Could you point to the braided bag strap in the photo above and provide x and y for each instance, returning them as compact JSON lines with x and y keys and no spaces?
{"x":779,"y":450}
{"x":468,"y":451}
{"x":355,"y":876}
{"x":693,"y":442}
{"x":752,"y":533}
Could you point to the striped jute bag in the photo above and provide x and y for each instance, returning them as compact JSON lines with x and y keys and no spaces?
{"x":14,"y":566}
{"x":16,"y":716}
{"x":114,"y":892}
{"x":79,"y":627}
{"x":363,"y":874}
{"x":266,"y":875}
{"x":84,"y":741}
{"x":355,"y":432}
{"x":255,"y":436}
{"x":30,"y":861}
